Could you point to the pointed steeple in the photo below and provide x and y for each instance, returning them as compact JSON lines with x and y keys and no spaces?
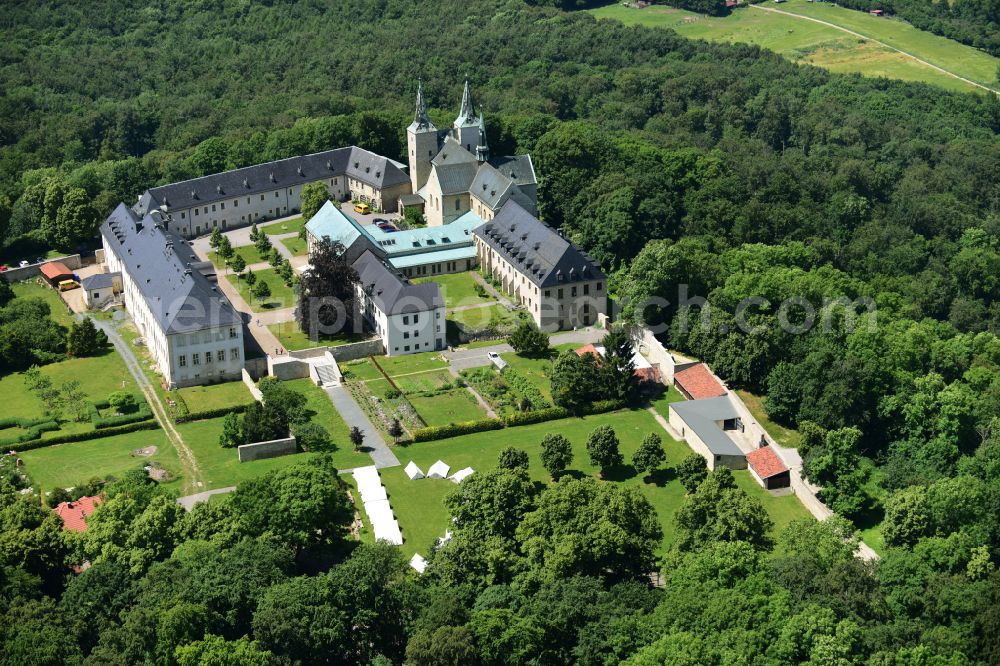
{"x":482,"y":148}
{"x":467,"y":114}
{"x":421,"y":121}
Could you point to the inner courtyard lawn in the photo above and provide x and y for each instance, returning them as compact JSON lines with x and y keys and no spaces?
{"x":410,"y":363}
{"x":281,"y":296}
{"x":248,"y":252}
{"x":457,"y":289}
{"x":292,"y":337}
{"x":60,"y":312}
{"x":477,"y":318}
{"x":291,"y":225}
{"x":295,"y":245}
{"x":215,"y":396}
{"x":69,"y":465}
{"x":452,"y":406}
{"x":430,"y":380}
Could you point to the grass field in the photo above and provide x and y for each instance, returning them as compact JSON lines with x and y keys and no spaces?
{"x":780,"y":434}
{"x":293,"y":338}
{"x":458,"y":289}
{"x":294,"y":224}
{"x":248,"y":252}
{"x":35,"y":289}
{"x":281,"y":296}
{"x":409,"y":363}
{"x":422,"y":517}
{"x":429,"y":380}
{"x":215,"y":396}
{"x":452,"y":406}
{"x":476,"y":318}
{"x":295,"y":245}
{"x":827,"y":46}
{"x":68,"y":465}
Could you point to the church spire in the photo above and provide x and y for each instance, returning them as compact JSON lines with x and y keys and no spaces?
{"x":467,"y":115}
{"x":482,"y":149}
{"x":420,"y":118}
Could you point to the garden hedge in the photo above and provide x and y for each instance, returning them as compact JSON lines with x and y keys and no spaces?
{"x":87,"y":435}
{"x":211,"y":413}
{"x":455,"y":429}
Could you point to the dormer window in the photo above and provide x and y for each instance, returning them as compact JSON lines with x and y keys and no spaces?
{"x":246,"y":183}
{"x":299,"y":170}
{"x":273,"y":180}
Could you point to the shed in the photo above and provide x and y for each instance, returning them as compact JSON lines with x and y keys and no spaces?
{"x":101,"y":288}
{"x":767,"y":467}
{"x":706,"y":426}
{"x":876,"y":12}
{"x":55,"y":272}
{"x":74,"y":514}
{"x":698,"y":383}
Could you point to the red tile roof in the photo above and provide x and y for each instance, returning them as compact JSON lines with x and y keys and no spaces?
{"x":588,"y":349}
{"x":74,"y":514}
{"x":55,"y":269}
{"x":699,"y":383}
{"x":766,"y":463}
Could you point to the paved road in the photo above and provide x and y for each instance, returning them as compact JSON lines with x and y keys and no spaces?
{"x":880,"y":43}
{"x":463,"y":359}
{"x":379,"y":451}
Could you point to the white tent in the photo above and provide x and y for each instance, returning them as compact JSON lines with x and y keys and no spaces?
{"x":389,"y":532}
{"x":418,"y":563}
{"x":413,"y":471}
{"x":379,"y":511}
{"x":461,"y":475}
{"x":373,"y":494}
{"x":438,"y":470}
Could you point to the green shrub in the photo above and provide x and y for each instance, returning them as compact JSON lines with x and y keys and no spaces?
{"x":455,"y":429}
{"x":521,"y":384}
{"x":210,"y":413}
{"x":89,"y":434}
{"x":536,"y":416}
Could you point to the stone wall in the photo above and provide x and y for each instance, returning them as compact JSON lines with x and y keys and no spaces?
{"x":254,"y":391}
{"x":271,"y":449}
{"x":257,"y":367}
{"x":654,"y":352}
{"x":72,"y":262}
{"x":287,"y":367}
{"x":356,"y":350}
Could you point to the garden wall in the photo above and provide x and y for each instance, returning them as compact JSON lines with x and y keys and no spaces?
{"x":254,"y":391}
{"x":71,"y":262}
{"x":270,"y":449}
{"x":654,"y":352}
{"x":356,"y":350}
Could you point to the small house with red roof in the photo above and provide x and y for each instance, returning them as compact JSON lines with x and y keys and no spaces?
{"x":768,"y":468}
{"x":74,"y":514}
{"x":55,"y":272}
{"x":698,"y":383}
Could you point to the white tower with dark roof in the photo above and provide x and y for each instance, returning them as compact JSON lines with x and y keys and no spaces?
{"x":421,"y":142}
{"x":466,"y":126}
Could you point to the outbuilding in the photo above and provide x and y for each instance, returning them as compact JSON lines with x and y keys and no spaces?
{"x":767,"y":467}
{"x":698,"y":383}
{"x":708,"y":426}
{"x":55,"y":272}
{"x":101,"y":288}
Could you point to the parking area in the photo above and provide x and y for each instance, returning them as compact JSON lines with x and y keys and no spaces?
{"x":368,"y":218}
{"x":74,"y":297}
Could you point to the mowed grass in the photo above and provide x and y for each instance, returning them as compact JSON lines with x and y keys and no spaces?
{"x":452,"y":406}
{"x":827,"y":46}
{"x":281,"y":296}
{"x":295,"y":245}
{"x":430,"y":380}
{"x":784,"y":436}
{"x":410,"y":363}
{"x":215,"y":396}
{"x":420,"y":513}
{"x":476,"y":318}
{"x":60,"y":312}
{"x":70,"y":465}
{"x":291,"y":337}
{"x":248,"y":252}
{"x":291,"y":225}
{"x":457,"y":289}
{"x":322,"y":411}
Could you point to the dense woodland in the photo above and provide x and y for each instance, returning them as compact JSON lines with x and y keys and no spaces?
{"x":725,"y":168}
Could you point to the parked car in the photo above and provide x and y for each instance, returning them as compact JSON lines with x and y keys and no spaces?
{"x":24,"y":263}
{"x":4,"y":268}
{"x":380,"y":221}
{"x":362,"y":208}
{"x":67,"y":285}
{"x":496,"y":360}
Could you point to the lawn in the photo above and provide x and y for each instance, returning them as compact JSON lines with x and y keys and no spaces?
{"x":215,"y":396}
{"x":477,"y":318}
{"x":295,"y":245}
{"x":36,"y":289}
{"x":661,"y":403}
{"x":827,"y":46}
{"x":248,"y":252}
{"x":281,"y":296}
{"x":324,"y":413}
{"x":67,"y":465}
{"x":410,"y":363}
{"x":430,"y":380}
{"x":292,"y":337}
{"x":421,"y":513}
{"x":458,"y":289}
{"x":784,"y":436}
{"x":362,"y":370}
{"x":291,"y":225}
{"x":537,"y":370}
{"x":452,"y":406}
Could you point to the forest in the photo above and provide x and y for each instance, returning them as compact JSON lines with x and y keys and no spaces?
{"x":724,"y":168}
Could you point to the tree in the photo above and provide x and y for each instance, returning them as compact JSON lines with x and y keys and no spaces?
{"x":529,"y":340}
{"x":576,"y":380}
{"x":618,"y":368}
{"x":250,"y":278}
{"x":357,"y":436}
{"x":85,"y":339}
{"x":122,"y":402}
{"x":720,"y":511}
{"x":232,"y":431}
{"x":217,"y":651}
{"x":238,"y":264}
{"x":395,"y":430}
{"x":312,"y":436}
{"x":263,"y":244}
{"x":285,"y":272}
{"x":134,"y":527}
{"x":313,"y":196}
{"x":291,"y":404}
{"x":215,"y":238}
{"x":74,"y":221}
{"x":692,"y":471}
{"x":513,"y":458}
{"x":262,"y":423}
{"x":42,"y":386}
{"x":261,"y":291}
{"x":224,"y":250}
{"x":602,"y":447}
{"x":557,"y":454}
{"x":907,"y":517}
{"x":492,"y":503}
{"x":274,"y":258}
{"x":445,"y":646}
{"x":71,"y":394}
{"x":327,"y":292}
{"x":649,"y":455}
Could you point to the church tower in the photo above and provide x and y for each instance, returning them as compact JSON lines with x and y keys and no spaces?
{"x":421,"y":142}
{"x":466,"y":127}
{"x":482,"y":148}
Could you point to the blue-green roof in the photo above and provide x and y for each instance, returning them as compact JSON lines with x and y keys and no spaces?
{"x":454,"y":254}
{"x":331,"y":222}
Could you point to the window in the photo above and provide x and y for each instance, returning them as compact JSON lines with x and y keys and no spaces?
{"x":406,"y":348}
{"x":182,"y":361}
{"x":586,"y":289}
{"x":208,"y":358}
{"x":232,"y":332}
{"x":415,"y":318}
{"x":182,"y":216}
{"x":195,"y":358}
{"x":275,"y":195}
{"x":416,"y":334}
{"x":598,"y":286}
{"x":547,"y":293}
{"x":220,"y":355}
{"x":406,"y":335}
{"x":213,"y":208}
{"x":196,"y":212}
{"x":572,"y":291}
{"x":437,"y":315}
{"x":236,"y":203}
{"x":262,"y":197}
{"x":456,"y":204}
{"x":234,"y":353}
{"x":406,"y":320}
{"x":222,"y":206}
{"x":559,"y":294}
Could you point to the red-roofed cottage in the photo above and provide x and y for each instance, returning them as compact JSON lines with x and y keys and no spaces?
{"x":698,"y":383}
{"x":55,"y":272}
{"x":74,"y":514}
{"x":768,"y":468}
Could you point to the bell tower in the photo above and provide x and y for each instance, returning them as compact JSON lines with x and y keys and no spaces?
{"x":421,"y":142}
{"x":466,"y":127}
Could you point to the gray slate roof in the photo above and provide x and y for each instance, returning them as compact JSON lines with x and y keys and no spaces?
{"x":519,"y":168}
{"x":537,"y":250}
{"x":163,"y":267}
{"x":455,"y":178}
{"x":99,"y":281}
{"x":490,"y":185}
{"x":356,"y":162}
{"x":393,"y":293}
{"x":701,"y":416}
